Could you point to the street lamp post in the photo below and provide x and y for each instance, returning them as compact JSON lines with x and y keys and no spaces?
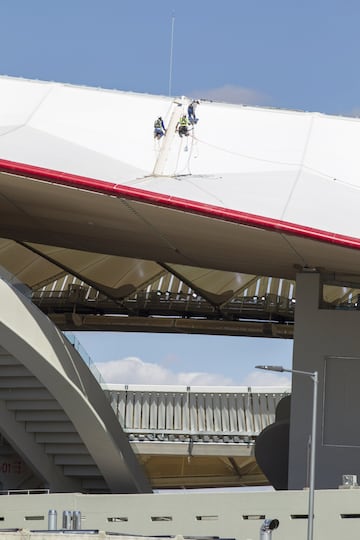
{"x":315,"y":378}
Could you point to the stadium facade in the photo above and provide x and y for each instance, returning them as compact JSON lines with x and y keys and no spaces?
{"x":87,"y":192}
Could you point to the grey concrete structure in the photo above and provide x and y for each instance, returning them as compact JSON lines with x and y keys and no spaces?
{"x":327,"y":341}
{"x":198,"y":515}
{"x":53,"y":412}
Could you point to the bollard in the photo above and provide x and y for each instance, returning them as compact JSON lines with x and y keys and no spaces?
{"x":267,"y":528}
{"x":52,"y":520}
{"x":66,"y":521}
{"x":76,"y":520}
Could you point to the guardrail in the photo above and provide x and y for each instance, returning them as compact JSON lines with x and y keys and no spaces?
{"x":216,"y":414}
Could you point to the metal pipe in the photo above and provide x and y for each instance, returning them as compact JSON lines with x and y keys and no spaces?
{"x":267,"y":528}
{"x":315,"y":378}
{"x":66,"y":519}
{"x":52,"y":520}
{"x":76,"y":520}
{"x":310,"y":533}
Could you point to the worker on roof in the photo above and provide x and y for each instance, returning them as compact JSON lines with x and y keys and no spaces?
{"x":182,"y":126}
{"x":159,"y":128}
{"x":191,"y":112}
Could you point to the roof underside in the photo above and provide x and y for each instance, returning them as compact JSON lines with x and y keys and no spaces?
{"x":41,"y":212}
{"x":57,"y":236}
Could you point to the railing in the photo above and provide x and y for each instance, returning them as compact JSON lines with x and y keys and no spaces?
{"x":15,"y":282}
{"x":233,"y":414}
{"x":165,"y":303}
{"x":25,"y":492}
{"x":85,"y":356}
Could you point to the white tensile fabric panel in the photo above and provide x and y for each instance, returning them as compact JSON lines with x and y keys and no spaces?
{"x":267,"y":162}
{"x":20,"y":98}
{"x":333,"y":150}
{"x":116,"y":124}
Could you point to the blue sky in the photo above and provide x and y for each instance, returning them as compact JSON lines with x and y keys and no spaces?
{"x":284,"y":53}
{"x":186,"y":359}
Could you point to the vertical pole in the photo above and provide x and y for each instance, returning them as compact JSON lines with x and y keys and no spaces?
{"x":52,"y":520}
{"x":315,"y":378}
{"x":171,"y":53}
{"x":310,"y":532}
{"x":76,"y":520}
{"x":66,"y":519}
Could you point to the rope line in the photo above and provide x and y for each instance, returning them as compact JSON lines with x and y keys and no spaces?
{"x":301,"y":164}
{"x":239,"y":154}
{"x":278,"y":162}
{"x":194,"y":149}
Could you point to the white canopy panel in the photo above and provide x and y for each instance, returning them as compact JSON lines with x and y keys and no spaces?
{"x":250,"y":191}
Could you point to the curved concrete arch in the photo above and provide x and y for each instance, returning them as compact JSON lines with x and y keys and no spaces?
{"x":33,"y":454}
{"x":35,"y":342}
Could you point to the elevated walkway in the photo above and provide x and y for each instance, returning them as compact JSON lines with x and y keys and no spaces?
{"x":196,"y":436}
{"x":259,"y":307}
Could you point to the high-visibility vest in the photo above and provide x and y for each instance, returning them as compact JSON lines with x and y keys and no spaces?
{"x":158,"y":123}
{"x":183,"y":121}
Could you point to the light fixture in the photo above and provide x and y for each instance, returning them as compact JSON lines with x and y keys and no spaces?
{"x":314,"y":376}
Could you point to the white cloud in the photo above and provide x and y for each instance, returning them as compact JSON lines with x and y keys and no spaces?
{"x":354,"y":112}
{"x":233,"y":94}
{"x":134,"y":371}
{"x":262,"y":378}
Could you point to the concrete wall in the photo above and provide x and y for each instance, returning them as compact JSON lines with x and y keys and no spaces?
{"x":326,"y":340}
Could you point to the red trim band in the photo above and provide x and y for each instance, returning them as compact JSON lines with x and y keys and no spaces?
{"x":243,"y":218}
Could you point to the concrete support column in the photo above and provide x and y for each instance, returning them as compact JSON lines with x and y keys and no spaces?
{"x":327,"y":341}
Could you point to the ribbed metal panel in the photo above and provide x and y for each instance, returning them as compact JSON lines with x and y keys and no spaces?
{"x":185,"y":410}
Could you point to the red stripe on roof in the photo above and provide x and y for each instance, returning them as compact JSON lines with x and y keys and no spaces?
{"x":226,"y":214}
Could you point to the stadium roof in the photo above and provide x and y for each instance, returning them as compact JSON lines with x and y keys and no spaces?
{"x":87,"y":192}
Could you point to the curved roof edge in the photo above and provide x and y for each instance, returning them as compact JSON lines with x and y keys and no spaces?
{"x":177,"y":203}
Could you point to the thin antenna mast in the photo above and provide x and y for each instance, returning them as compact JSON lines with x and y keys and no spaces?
{"x":171,"y":52}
